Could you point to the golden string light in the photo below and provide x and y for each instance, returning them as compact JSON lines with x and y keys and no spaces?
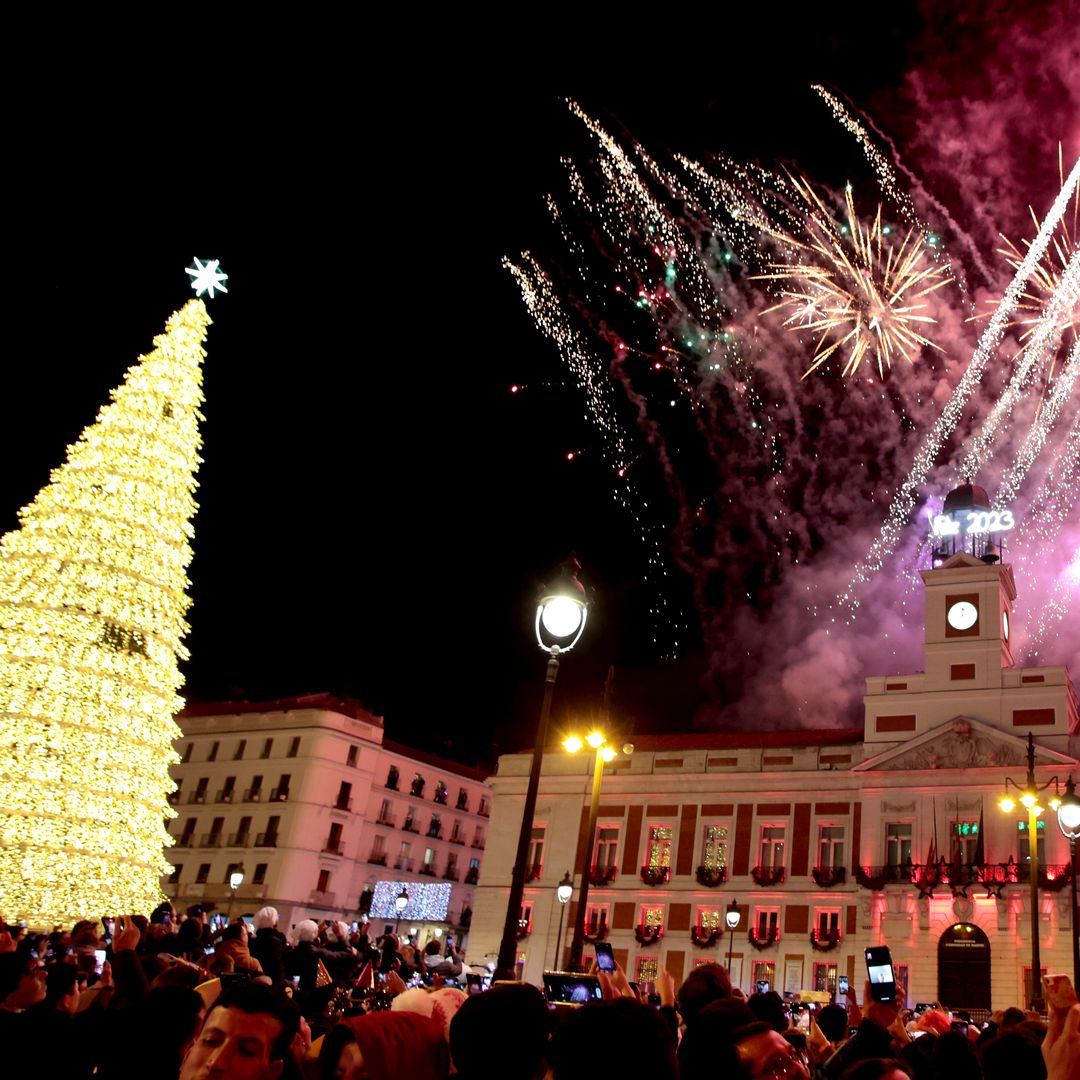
{"x":92,"y":604}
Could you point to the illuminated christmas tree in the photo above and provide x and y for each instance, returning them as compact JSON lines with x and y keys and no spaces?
{"x":92,"y":602}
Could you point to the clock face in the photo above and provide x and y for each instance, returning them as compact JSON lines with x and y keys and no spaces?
{"x":963,"y":615}
{"x":1005,"y":624}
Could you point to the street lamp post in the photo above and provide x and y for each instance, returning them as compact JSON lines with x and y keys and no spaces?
{"x":732,"y":917}
{"x":560,"y":620}
{"x":604,"y":754}
{"x":1068,"y":816}
{"x":1028,"y":797}
{"x":563,"y":893}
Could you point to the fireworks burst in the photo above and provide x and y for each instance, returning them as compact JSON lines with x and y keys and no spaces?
{"x":855,"y":287}
{"x":752,"y":478}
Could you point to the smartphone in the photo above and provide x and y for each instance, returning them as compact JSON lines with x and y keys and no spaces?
{"x":568,"y":988}
{"x":842,"y":985}
{"x":959,"y":1025}
{"x":762,"y":986}
{"x":99,"y":960}
{"x":234,"y":978}
{"x":635,"y":988}
{"x":605,"y":958}
{"x":1059,"y":991}
{"x":852,"y":1031}
{"x":879,"y":971}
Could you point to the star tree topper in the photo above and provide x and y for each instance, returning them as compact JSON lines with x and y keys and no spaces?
{"x":206,"y":278}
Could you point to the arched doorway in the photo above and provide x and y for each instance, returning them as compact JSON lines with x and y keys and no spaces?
{"x":964,"y":968}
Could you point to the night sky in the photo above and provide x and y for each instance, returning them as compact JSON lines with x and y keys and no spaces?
{"x":377,"y":510}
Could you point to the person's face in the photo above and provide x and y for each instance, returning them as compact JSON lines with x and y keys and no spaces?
{"x":233,"y":1044}
{"x":350,"y":1065}
{"x":769,"y":1056}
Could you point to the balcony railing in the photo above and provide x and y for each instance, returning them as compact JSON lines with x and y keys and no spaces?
{"x":391,"y":782}
{"x":279,"y":795}
{"x":472,"y":875}
{"x":377,"y":858}
{"x":416,"y":789}
{"x":404,"y":864}
{"x":602,"y":875}
{"x":764,"y":937}
{"x":451,"y":875}
{"x":210,"y":839}
{"x":824,"y":942}
{"x":239,"y":839}
{"x":197,"y":797}
{"x":703,"y":938}
{"x":343,"y":804}
{"x":385,"y":822}
{"x":266,"y":839}
{"x":656,"y":875}
{"x":334,"y":847}
{"x":226,"y":795}
{"x":598,"y":933}
{"x":322,"y":899}
{"x":768,"y":875}
{"x":711,"y":876}
{"x":253,"y":794}
{"x":173,"y":798}
{"x":532,"y":873}
{"x":961,"y":876}
{"x":484,"y":810}
{"x":828,"y":876}
{"x":184,"y":840}
{"x":410,"y":826}
{"x":463,"y":802}
{"x":478,"y":844}
{"x":457,"y":839}
{"x":428,"y":870}
{"x":434,"y":832}
{"x":648,"y":935}
{"x":440,"y":796}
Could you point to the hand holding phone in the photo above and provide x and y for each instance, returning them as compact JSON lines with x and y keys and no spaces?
{"x":879,"y":971}
{"x":605,"y":958}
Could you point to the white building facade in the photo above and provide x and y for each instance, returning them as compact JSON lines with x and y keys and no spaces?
{"x":828,"y":841}
{"x":326,"y":817}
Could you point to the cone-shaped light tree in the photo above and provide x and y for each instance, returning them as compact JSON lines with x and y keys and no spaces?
{"x":92,"y":602}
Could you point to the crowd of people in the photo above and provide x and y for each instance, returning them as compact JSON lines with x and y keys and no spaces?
{"x":174,"y":997}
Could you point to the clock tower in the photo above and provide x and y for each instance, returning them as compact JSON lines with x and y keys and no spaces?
{"x":968,"y":626}
{"x":969,"y":671}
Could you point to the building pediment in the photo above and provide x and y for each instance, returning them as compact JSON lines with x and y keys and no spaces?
{"x":961,"y":743}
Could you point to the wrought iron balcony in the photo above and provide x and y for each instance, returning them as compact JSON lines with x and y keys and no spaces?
{"x":266,"y":839}
{"x":253,"y":794}
{"x":434,"y":832}
{"x":764,"y":940}
{"x":599,"y":934}
{"x":828,"y":876}
{"x":441,"y":795}
{"x":602,"y":875}
{"x":428,"y":869}
{"x":768,"y":875}
{"x":211,"y":839}
{"x":226,"y":795}
{"x":959,"y":877}
{"x":451,"y":875}
{"x":648,"y":935}
{"x":239,"y":839}
{"x":824,"y":942}
{"x":279,"y":795}
{"x":377,"y":858}
{"x":410,"y":826}
{"x":343,"y":804}
{"x":711,"y":876}
{"x":334,"y":847}
{"x":472,"y":875}
{"x":656,"y":875}
{"x":705,"y":939}
{"x":385,"y":822}
{"x":197,"y":797}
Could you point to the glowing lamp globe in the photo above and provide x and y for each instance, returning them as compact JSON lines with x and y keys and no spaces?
{"x":401,"y":901}
{"x":565,"y":889}
{"x":1007,"y":804}
{"x":236,"y":878}
{"x":732,"y":916}
{"x":561,"y":616}
{"x":561,"y":612}
{"x":1068,"y":813}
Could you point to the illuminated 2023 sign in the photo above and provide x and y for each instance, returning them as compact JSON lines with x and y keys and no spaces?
{"x":972,"y":522}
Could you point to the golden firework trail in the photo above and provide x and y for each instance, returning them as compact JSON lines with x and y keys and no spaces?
{"x":855,"y":286}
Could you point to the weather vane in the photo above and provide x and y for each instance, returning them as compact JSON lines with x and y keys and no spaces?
{"x":206,"y":278}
